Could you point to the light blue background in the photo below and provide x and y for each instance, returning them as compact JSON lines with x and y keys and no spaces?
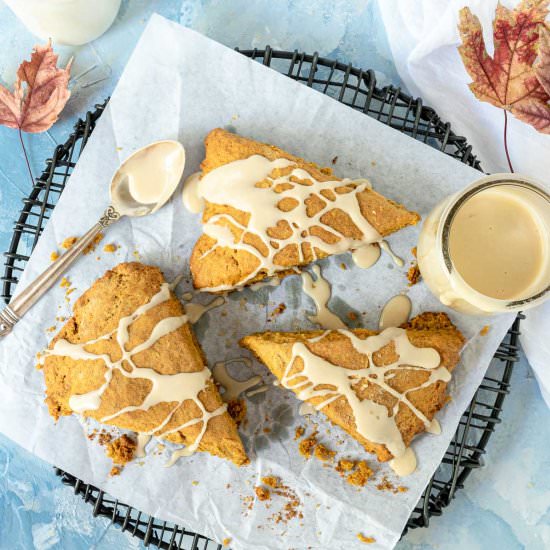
{"x":505,"y":505}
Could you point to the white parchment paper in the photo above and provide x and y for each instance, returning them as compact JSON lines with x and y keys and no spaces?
{"x":179,"y":85}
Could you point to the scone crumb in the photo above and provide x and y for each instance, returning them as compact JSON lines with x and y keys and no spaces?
{"x":484,"y":330}
{"x":54,"y":255}
{"x":115,"y":471}
{"x":402,"y":489}
{"x":121,"y":450}
{"x":345,"y":465}
{"x":360,"y":476}
{"x":93,"y":245}
{"x":237,"y":410}
{"x":273,"y":486}
{"x":366,"y":540}
{"x":322,"y":453}
{"x":307,"y":445}
{"x":262,"y":493}
{"x":300,"y":431}
{"x":226,"y":541}
{"x":352,"y":316}
{"x":343,"y":266}
{"x":68,"y":242}
{"x":194,"y":482}
{"x":65,"y":283}
{"x":386,"y":485}
{"x":278,"y":310}
{"x":110,"y":248}
{"x":413,"y":274}
{"x":104,"y":438}
{"x":413,"y":251}
{"x":271,"y":481}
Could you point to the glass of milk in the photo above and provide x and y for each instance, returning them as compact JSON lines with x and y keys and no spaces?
{"x":72,"y":22}
{"x":486,"y":249}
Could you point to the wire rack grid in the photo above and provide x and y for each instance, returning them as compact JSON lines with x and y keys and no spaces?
{"x":358,"y":89}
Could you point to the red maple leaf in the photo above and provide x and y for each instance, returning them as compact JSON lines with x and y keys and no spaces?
{"x":40,"y":93}
{"x":537,"y":113}
{"x":508,"y":79}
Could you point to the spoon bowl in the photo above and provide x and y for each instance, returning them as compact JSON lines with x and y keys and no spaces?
{"x":145,"y":181}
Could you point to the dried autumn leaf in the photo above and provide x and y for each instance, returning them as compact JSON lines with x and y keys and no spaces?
{"x":542,"y":68}
{"x":536,"y":112}
{"x":508,"y":79}
{"x":36,"y":106}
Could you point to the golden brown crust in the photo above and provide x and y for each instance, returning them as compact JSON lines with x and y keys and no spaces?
{"x":227,"y":266}
{"x":433,"y":330}
{"x":97,"y":312}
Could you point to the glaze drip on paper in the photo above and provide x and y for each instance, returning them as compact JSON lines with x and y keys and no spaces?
{"x":372,"y":420}
{"x":165,"y":388}
{"x":233,"y":387}
{"x":319,"y":291}
{"x":395,"y":312}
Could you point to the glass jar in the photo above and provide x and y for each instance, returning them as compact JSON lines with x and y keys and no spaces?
{"x":435,"y":259}
{"x":72,"y":22}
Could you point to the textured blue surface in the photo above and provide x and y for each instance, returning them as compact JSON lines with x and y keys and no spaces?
{"x":505,"y":506}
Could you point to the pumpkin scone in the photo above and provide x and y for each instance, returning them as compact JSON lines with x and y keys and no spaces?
{"x":383,"y":388}
{"x":128,"y":358}
{"x":267,"y":212}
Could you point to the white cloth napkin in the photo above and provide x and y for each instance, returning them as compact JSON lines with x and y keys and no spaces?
{"x":423,"y":37}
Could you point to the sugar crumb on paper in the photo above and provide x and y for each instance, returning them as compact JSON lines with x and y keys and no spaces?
{"x":93,"y":245}
{"x":68,"y":242}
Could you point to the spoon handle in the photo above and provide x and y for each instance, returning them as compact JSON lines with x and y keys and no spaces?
{"x":19,"y":305}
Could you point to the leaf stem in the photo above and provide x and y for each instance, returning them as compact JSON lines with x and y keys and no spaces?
{"x":26,"y":156}
{"x":506,"y":141}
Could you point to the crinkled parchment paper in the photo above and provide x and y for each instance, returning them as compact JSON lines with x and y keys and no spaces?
{"x":179,"y":85}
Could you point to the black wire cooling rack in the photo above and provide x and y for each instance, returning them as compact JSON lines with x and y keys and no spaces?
{"x":357,"y":89}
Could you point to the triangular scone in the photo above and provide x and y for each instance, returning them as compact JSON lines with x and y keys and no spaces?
{"x":429,"y":330}
{"x":170,"y":357}
{"x":278,"y":211}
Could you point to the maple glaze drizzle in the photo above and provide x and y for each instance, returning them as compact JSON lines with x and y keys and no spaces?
{"x":190,"y":194}
{"x":195,"y":311}
{"x":306,"y":408}
{"x":319,"y":290}
{"x":366,"y":256}
{"x":247,"y":185}
{"x":233,"y":387}
{"x":142,"y":441}
{"x":373,"y":421}
{"x":385,"y":246}
{"x":395,"y":312}
{"x":165,"y":388}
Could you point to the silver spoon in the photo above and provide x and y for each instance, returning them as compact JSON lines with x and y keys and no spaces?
{"x":163,"y":160}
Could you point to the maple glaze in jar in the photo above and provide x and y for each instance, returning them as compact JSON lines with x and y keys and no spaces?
{"x":486,"y":249}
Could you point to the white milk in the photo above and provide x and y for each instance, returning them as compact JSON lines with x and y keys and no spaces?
{"x":72,"y":22}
